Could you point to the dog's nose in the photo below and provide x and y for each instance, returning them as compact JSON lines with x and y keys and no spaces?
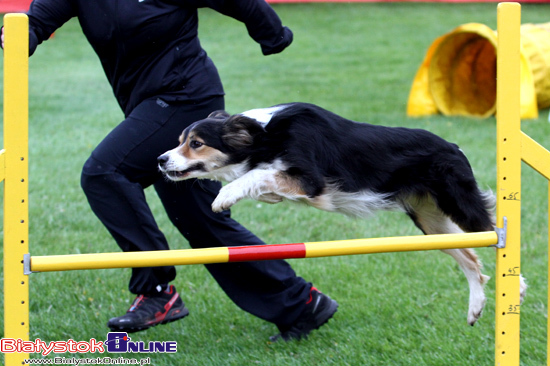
{"x":161,"y":160}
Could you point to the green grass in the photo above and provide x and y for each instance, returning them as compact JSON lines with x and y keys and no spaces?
{"x":357,"y":60}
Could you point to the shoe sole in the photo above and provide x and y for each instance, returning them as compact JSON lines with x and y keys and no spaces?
{"x":166,"y":320}
{"x":329,"y":313}
{"x":326,"y":315}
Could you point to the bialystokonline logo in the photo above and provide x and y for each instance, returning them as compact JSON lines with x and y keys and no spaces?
{"x":117,"y":342}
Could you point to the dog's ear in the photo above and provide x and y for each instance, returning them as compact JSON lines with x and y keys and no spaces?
{"x":219,"y":115}
{"x":239,"y":131}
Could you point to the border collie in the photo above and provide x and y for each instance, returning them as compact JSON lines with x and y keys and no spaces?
{"x":301,"y":152}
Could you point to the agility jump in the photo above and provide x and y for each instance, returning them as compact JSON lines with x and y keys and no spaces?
{"x":513,"y":146}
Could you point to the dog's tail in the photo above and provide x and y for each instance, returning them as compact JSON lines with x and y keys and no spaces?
{"x":490,"y":201}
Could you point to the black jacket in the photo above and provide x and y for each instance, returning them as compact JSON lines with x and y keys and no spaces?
{"x":150,"y":47}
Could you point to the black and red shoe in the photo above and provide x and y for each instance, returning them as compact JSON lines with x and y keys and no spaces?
{"x":148,"y":311}
{"x":319,"y":309}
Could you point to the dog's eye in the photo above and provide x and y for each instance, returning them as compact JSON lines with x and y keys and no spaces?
{"x":195,"y":144}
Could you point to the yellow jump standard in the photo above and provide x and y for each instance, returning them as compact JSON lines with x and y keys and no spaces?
{"x":14,"y":170}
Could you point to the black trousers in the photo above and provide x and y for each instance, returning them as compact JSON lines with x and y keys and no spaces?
{"x":124,"y":164}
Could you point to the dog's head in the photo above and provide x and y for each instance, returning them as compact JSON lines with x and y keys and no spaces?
{"x":209,"y":146}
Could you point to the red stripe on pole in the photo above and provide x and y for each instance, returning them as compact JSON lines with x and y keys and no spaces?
{"x":267,"y":252}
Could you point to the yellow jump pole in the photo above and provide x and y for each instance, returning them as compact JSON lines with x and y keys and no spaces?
{"x":260,"y":252}
{"x":16,"y":286}
{"x":507,"y":332}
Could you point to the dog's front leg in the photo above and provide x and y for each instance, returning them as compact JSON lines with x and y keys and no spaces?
{"x":254,"y":184}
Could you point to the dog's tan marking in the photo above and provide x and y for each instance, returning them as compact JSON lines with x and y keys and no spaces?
{"x":204,"y":153}
{"x":290,"y":188}
{"x":287,"y":185}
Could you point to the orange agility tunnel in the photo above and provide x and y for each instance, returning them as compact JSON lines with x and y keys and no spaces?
{"x":458,"y":74}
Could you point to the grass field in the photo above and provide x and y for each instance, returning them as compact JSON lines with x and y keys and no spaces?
{"x":357,"y":60}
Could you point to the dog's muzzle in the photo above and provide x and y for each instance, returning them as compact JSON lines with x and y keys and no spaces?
{"x":176,"y":174}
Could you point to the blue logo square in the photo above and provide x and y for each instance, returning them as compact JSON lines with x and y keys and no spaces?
{"x":117,"y":342}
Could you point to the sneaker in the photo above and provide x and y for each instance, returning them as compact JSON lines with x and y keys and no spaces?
{"x":148,"y":311}
{"x":319,"y":309}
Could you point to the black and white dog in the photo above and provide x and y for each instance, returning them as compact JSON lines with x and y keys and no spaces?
{"x":302,"y":152}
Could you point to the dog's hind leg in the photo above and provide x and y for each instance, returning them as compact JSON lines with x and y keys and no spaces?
{"x":471,"y":266}
{"x":431,"y":220}
{"x":471,"y":209}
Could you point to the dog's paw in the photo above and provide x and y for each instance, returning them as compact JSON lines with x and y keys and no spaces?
{"x":476,"y":309}
{"x":522,"y":288}
{"x":477,"y":300}
{"x":221,"y":205}
{"x":225,"y":199}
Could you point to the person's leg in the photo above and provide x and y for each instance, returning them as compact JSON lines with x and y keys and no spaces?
{"x":113,"y":179}
{"x":114,"y":188}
